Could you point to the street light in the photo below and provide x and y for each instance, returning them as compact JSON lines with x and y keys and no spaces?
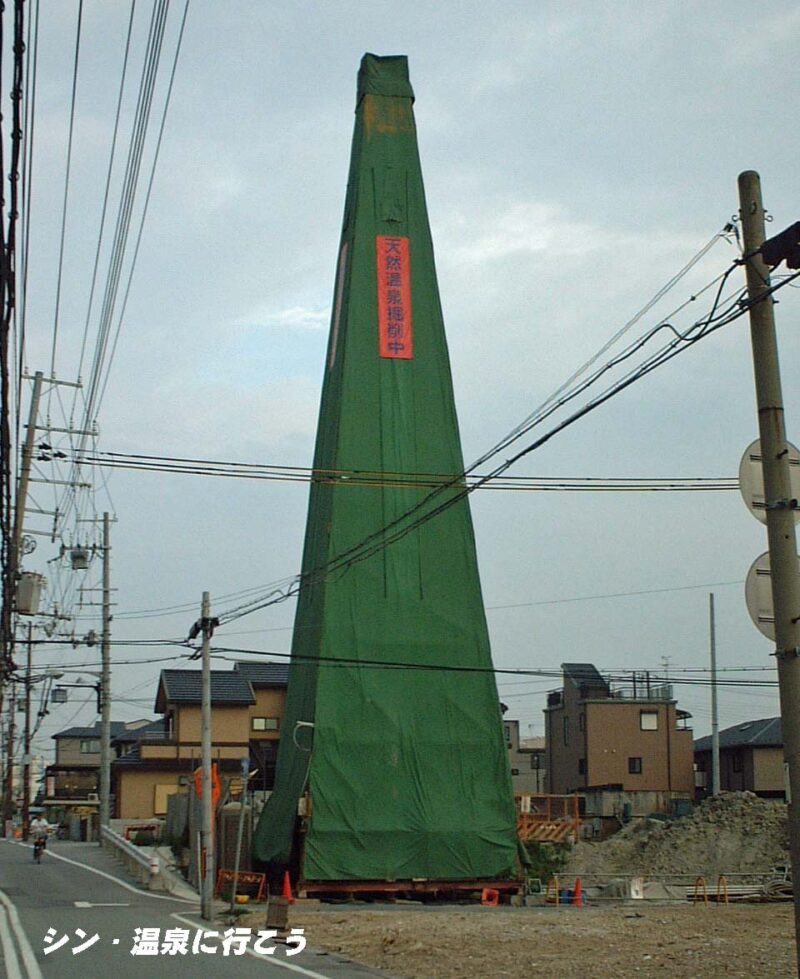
{"x":26,"y":757}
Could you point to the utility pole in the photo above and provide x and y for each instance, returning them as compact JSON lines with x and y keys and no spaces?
{"x":25,"y":470}
{"x":207,"y":872}
{"x":777,"y":495}
{"x":26,"y":758}
{"x":8,"y":797}
{"x":105,"y":684}
{"x":715,"y":775}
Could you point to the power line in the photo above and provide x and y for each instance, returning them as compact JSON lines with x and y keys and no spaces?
{"x":66,"y":186}
{"x":146,"y":202}
{"x":407,"y":522}
{"x":619,"y":594}
{"x":423,"y":481}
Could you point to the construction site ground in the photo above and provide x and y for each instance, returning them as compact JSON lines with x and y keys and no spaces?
{"x":473,"y":942}
{"x":733,"y":834}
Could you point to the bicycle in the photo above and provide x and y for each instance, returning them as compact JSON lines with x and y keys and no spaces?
{"x":39,"y":846}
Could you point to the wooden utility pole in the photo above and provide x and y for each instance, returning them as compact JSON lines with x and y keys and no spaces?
{"x":779,"y":505}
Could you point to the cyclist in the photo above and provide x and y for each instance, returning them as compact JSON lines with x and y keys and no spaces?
{"x":38,"y":830}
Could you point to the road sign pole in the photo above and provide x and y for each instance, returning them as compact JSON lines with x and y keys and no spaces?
{"x":777,"y":493}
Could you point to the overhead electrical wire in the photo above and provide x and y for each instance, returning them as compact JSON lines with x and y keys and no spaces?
{"x":350,"y":662}
{"x":146,"y":205}
{"x":67,"y":176}
{"x":74,"y":505}
{"x":109,"y":171}
{"x":553,"y":400}
{"x":32,"y":51}
{"x":734,"y":308}
{"x":422,"y":481}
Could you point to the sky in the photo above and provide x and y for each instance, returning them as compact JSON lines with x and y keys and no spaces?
{"x":576,"y":155}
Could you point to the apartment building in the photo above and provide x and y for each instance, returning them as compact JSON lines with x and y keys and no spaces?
{"x":625,"y":747}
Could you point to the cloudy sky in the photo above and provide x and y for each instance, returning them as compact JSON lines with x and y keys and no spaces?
{"x":576,"y":155}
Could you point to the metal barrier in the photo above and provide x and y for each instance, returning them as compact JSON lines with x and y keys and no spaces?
{"x":145,"y":867}
{"x":700,"y":882}
{"x":722,"y":889}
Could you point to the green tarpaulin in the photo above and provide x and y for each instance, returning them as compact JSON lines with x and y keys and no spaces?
{"x":406,"y":766}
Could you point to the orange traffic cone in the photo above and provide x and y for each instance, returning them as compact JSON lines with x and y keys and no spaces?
{"x":287,"y":888}
{"x":577,"y":897}
{"x":490,"y":898}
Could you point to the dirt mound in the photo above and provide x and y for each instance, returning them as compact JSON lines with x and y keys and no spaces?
{"x":734,"y":832}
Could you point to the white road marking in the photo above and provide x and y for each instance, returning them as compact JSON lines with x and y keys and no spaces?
{"x":101,"y":873}
{"x":102,"y":904}
{"x":28,"y":958}
{"x":9,"y":952}
{"x":273,"y":960}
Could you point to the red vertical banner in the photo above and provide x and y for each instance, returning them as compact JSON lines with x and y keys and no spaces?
{"x":395,"y":330}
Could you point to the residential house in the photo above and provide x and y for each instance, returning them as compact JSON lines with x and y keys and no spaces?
{"x":73,"y":782}
{"x":269,"y":682}
{"x":164,"y":759}
{"x":750,"y":759}
{"x":247,"y":706}
{"x":626,"y":748}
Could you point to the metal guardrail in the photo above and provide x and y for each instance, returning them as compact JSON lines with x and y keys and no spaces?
{"x":145,"y":866}
{"x":724,"y":889}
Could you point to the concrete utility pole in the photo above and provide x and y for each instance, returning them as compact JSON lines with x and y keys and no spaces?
{"x":8,"y":797}
{"x":715,"y":775}
{"x":26,"y":757}
{"x":105,"y":684}
{"x":25,"y":469}
{"x":777,"y":494}
{"x":207,"y":876}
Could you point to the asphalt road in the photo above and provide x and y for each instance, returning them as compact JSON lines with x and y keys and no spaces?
{"x":78,"y":896}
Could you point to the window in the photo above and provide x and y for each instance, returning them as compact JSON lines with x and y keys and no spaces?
{"x":635,"y":766}
{"x":265,"y":723}
{"x":737,"y":761}
{"x":566,"y":730}
{"x":581,"y":766}
{"x":648,"y":720}
{"x":90,"y":747}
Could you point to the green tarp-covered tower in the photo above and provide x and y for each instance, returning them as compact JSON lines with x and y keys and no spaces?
{"x":405,"y":768}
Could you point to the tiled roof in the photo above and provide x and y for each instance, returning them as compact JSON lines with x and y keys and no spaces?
{"x":264,"y":674}
{"x":763,"y":733}
{"x":117,"y":727}
{"x":137,"y":733}
{"x":185,"y":687}
{"x":583,"y":674}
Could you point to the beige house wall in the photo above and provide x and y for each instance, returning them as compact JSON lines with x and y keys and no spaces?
{"x":607,"y":732}
{"x":768,"y":770}
{"x":228,"y":724}
{"x":68,"y":752}
{"x":270,"y":702}
{"x":136,"y":792}
{"x":615,"y":735}
{"x":150,"y":752}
